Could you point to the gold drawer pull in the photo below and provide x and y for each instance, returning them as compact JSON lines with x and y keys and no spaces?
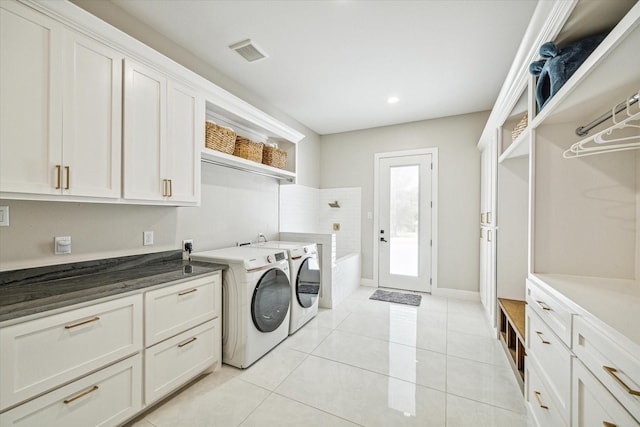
{"x":543,"y":305}
{"x":59,"y":172}
{"x":488,"y":217}
{"x":189,"y":341}
{"x":542,"y":405}
{"x":68,"y":170}
{"x":84,"y":322}
{"x":612,"y":372}
{"x":84,"y":393}
{"x":170,"y":188}
{"x":542,"y":339}
{"x":187,"y":292}
{"x":482,"y":218}
{"x":608,"y":424}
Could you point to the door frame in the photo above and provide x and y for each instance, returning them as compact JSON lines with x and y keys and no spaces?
{"x":434,"y":213}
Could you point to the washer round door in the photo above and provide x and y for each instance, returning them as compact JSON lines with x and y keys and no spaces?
{"x":308,"y":282}
{"x":270,"y":302}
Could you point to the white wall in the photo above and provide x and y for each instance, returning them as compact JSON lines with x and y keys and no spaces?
{"x":347,"y":161}
{"x":306,"y":210}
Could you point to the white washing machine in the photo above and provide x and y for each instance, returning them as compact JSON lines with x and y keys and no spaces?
{"x":305,"y":279}
{"x":256,"y":296}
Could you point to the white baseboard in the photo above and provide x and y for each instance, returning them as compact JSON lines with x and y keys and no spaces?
{"x":368,"y":282}
{"x":456,"y":293}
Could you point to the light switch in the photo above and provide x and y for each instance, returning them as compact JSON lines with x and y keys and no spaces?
{"x":4,"y":216}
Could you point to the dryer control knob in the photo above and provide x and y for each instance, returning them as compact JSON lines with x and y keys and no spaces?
{"x":269,"y":259}
{"x":306,"y":250}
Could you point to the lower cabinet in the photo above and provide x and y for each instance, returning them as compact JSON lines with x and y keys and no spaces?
{"x":104,"y":398}
{"x":85,"y":367}
{"x":173,"y":362}
{"x":544,"y":408}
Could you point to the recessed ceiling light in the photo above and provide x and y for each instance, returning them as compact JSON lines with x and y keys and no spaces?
{"x":248,"y":50}
{"x":393,"y":100}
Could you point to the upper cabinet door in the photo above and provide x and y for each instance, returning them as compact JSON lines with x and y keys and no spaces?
{"x":185,"y":138}
{"x":31,"y":101}
{"x":92,"y":118}
{"x":145,"y":94}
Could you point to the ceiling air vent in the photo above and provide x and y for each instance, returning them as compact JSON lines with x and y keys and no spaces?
{"x":248,"y":50}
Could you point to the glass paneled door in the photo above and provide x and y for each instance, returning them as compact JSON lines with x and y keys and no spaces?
{"x":405,"y":222}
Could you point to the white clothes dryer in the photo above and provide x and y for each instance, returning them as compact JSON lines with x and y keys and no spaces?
{"x":305,"y":279}
{"x":256,"y":295}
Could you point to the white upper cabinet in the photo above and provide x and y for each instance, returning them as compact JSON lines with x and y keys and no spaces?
{"x":163,"y":130}
{"x":92,"y":121}
{"x":31,"y":101}
{"x":61,"y":109}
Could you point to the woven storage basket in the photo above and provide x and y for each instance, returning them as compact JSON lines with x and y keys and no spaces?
{"x":273,"y":156}
{"x":220,"y":138}
{"x":248,"y":149}
{"x":520,"y":127}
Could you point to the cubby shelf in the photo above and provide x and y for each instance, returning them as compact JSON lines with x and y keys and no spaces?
{"x":512,"y":327}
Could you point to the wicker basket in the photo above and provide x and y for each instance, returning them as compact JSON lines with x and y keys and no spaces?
{"x":520,"y":127}
{"x":220,"y":138}
{"x":273,"y":156}
{"x":248,"y":149}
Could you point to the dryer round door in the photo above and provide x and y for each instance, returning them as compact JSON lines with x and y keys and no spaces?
{"x":308,"y":282}
{"x":270,"y":302}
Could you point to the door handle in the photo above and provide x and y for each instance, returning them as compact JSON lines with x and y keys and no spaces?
{"x":382,"y":239}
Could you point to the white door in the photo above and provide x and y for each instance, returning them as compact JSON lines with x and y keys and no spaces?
{"x":92,"y":118}
{"x":31,"y":101}
{"x":405,"y":222}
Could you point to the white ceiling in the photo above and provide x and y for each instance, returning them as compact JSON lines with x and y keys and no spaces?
{"x":333,"y":63}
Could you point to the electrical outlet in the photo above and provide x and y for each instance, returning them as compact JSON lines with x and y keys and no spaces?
{"x":62,"y":245}
{"x":4,"y":216}
{"x":184,"y":245}
{"x":147,"y":238}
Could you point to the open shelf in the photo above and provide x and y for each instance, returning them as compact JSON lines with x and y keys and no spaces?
{"x":512,"y":327}
{"x":518,"y":148}
{"x":235,"y":162}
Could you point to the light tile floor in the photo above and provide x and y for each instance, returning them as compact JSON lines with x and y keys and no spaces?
{"x":364,"y":363}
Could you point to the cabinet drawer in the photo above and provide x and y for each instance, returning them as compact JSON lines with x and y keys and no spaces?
{"x":104,"y":398}
{"x":554,"y":360}
{"x":552,"y":311}
{"x":171,"y":363}
{"x":593,"y":404}
{"x":617,"y":368}
{"x":544,"y":409}
{"x":41,"y":354}
{"x":174,"y":309}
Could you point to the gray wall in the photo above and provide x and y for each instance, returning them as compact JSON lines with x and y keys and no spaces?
{"x":347,"y":160}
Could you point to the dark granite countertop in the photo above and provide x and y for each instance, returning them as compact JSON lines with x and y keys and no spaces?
{"x":35,"y":290}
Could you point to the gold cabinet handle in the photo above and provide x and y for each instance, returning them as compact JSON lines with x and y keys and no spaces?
{"x":488,"y":217}
{"x":84,"y":393}
{"x":489,"y":235}
{"x":612,"y":371}
{"x":84,"y":322}
{"x":67,"y":169}
{"x":543,"y":305}
{"x":481,"y":233}
{"x":164,"y":188}
{"x":170,"y":188}
{"x":189,"y":341}
{"x":542,"y":405}
{"x":482,"y":217}
{"x":187,"y":292}
{"x":608,"y":424}
{"x":542,"y":339}
{"x":59,"y":172}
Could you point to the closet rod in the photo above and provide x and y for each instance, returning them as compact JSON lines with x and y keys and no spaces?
{"x":584,"y":130}
{"x":226,"y":165}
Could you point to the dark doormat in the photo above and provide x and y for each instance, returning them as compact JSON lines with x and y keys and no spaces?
{"x":397,"y":297}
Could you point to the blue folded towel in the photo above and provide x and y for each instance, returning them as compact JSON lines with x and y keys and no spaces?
{"x":558,"y":65}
